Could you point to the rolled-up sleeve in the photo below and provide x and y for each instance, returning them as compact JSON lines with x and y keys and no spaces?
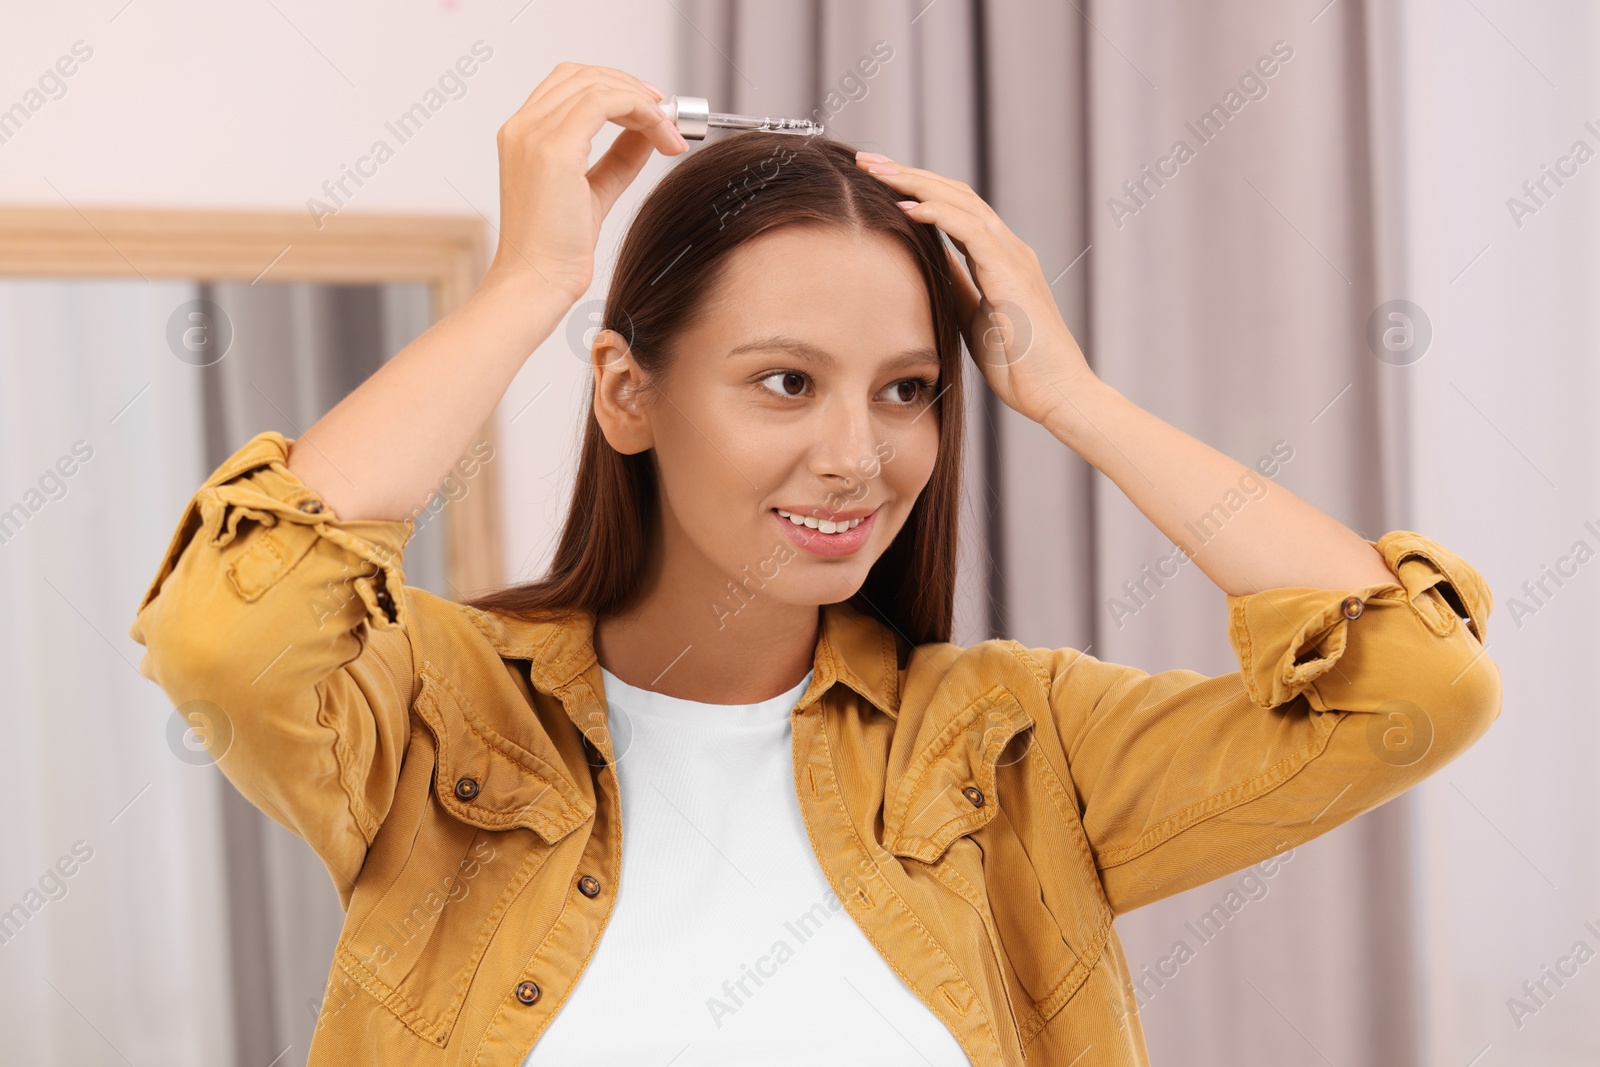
{"x":283,"y":631}
{"x":1344,"y":699}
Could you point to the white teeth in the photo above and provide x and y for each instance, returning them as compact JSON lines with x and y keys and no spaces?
{"x":821,"y":525}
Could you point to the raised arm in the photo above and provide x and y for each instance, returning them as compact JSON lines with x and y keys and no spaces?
{"x":277,"y":618}
{"x":1195,"y":495}
{"x":381,"y":451}
{"x":1032,"y":362}
{"x":1345,"y":698}
{"x":1362,"y":666}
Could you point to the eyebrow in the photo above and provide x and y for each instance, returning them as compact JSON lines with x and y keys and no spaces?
{"x":911,"y":357}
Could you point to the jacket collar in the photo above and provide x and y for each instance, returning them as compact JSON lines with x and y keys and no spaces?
{"x":852,"y":647}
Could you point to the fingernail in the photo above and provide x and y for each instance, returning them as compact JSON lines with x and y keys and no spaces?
{"x":908,"y":203}
{"x":872,"y":157}
{"x":882,"y":168}
{"x":655,"y":89}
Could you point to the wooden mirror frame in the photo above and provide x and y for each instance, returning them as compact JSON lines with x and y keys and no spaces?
{"x":446,"y":251}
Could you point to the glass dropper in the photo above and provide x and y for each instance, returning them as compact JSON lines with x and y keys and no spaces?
{"x":694,"y":118}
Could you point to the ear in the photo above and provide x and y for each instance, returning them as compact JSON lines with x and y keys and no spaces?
{"x":619,"y":406}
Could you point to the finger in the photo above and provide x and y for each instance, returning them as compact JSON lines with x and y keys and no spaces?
{"x":559,"y":75}
{"x":966,"y":230}
{"x":634,"y":80}
{"x":959,"y":247}
{"x":630,"y":109}
{"x":968,"y":296}
{"x":615,"y":170}
{"x":563,"y":74}
{"x":927,"y":184}
{"x":559,"y":98}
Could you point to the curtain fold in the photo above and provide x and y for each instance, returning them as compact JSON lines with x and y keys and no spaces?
{"x":227,"y":919}
{"x":110,"y":864}
{"x":1234,"y":304}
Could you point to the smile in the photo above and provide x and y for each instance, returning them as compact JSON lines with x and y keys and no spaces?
{"x":819,"y":524}
{"x":840,"y":536}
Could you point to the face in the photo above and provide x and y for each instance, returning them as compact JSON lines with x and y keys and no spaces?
{"x":802,"y":389}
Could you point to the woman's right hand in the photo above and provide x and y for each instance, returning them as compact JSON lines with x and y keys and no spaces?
{"x":382,"y":451}
{"x":551,"y":201}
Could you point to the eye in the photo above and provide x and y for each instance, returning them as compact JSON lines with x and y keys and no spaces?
{"x":922,"y":387}
{"x":786,"y":376}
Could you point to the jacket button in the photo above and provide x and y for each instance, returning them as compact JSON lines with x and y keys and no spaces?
{"x":312,"y":507}
{"x":466,"y":788}
{"x":527,"y":992}
{"x":386,"y":603}
{"x":1352,"y":607}
{"x":589,"y":885}
{"x":974,"y":794}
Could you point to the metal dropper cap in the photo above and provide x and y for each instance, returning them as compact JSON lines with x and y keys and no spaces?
{"x":694,"y":118}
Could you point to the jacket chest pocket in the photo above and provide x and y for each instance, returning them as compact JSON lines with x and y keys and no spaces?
{"x":994,"y":822}
{"x":455,"y":854}
{"x":948,"y":791}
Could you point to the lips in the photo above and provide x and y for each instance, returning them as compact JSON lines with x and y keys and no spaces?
{"x":832,"y":545}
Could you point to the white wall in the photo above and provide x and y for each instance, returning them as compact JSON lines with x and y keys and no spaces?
{"x":1508,"y":467}
{"x":258,"y":105}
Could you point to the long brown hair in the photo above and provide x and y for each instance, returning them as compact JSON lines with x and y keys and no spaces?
{"x":722,"y":195}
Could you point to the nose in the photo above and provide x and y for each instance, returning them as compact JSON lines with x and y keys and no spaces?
{"x":845,"y":452}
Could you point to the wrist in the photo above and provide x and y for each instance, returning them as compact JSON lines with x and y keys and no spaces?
{"x":526,"y":287}
{"x":530,"y":305}
{"x":1074,"y":416}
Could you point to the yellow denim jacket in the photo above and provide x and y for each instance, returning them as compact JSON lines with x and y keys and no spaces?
{"x":981,"y":813}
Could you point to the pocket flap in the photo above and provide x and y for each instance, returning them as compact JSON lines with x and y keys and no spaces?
{"x":949,"y":788}
{"x":487,"y":780}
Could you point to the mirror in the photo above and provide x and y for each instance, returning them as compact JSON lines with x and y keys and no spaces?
{"x":138,"y":350}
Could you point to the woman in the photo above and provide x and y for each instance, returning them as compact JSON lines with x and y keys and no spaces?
{"x":758,"y":685}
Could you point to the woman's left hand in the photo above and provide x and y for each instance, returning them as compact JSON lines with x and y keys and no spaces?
{"x":1010,"y":320}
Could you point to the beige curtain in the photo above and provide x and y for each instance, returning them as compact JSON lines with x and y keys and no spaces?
{"x":1230,"y":299}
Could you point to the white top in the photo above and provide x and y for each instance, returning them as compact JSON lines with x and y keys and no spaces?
{"x":727,"y":945}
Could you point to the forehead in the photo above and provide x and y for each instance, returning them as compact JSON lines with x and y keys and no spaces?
{"x":842,"y":289}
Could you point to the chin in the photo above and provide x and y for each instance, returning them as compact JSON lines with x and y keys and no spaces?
{"x":787,"y":574}
{"x":831,"y":589}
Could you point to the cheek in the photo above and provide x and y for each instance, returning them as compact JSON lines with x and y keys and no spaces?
{"x":907,"y":462}
{"x":700,"y":486}
{"x":711,"y":462}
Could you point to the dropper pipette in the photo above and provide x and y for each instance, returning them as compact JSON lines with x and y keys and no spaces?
{"x":694,"y":118}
